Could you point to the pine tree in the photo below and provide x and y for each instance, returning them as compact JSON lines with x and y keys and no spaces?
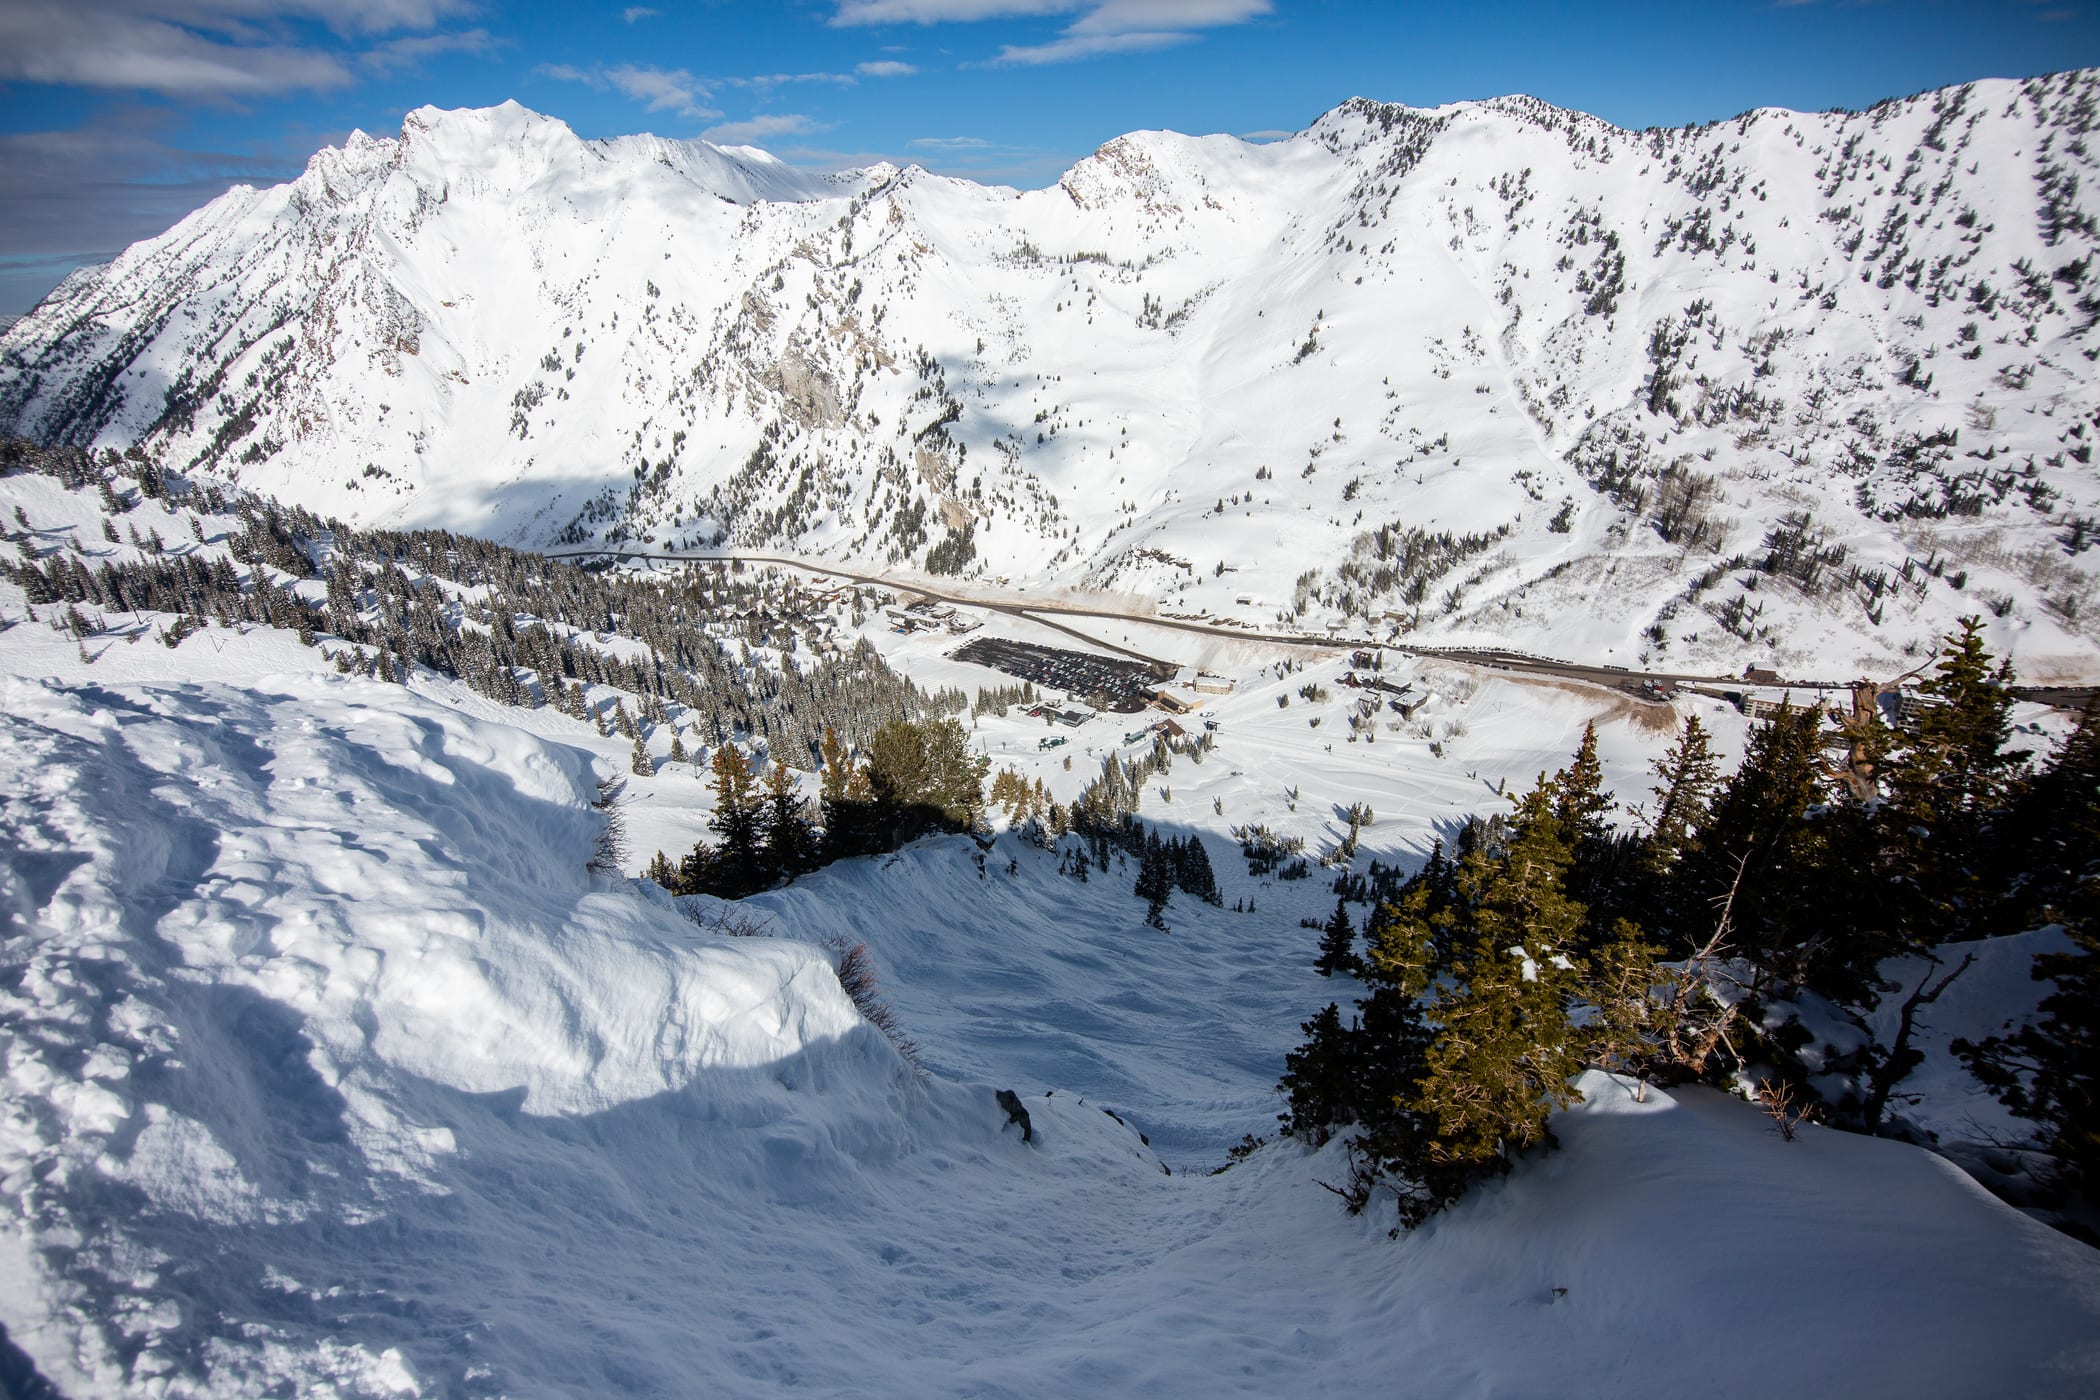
{"x":1154,"y":882}
{"x":737,"y":868}
{"x":641,"y":763}
{"x":1580,"y":803}
{"x":1763,"y":853}
{"x":844,"y":818}
{"x":791,"y":839}
{"x":665,"y":874}
{"x":1192,"y":872}
{"x":1686,"y":777}
{"x":1337,"y":943}
{"x":923,"y":777}
{"x":1949,"y":785}
{"x":1319,"y":1080}
{"x":1385,"y":1056}
{"x":1620,"y":983}
{"x":1505,"y":1050}
{"x":677,"y":753}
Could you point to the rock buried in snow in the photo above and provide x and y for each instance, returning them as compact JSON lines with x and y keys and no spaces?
{"x":1017,"y":1113}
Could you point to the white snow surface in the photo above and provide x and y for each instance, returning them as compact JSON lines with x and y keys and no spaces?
{"x":326,"y":1070}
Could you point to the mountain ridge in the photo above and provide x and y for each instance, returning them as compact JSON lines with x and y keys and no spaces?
{"x":1501,"y":372}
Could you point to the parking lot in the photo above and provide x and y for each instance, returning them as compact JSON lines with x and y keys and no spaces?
{"x":1102,"y":680}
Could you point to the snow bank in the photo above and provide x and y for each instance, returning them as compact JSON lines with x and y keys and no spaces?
{"x":266,"y":945}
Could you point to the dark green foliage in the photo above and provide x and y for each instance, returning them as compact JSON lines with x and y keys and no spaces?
{"x":790,"y":836}
{"x":1686,"y":778}
{"x":1318,"y":1080}
{"x":385,"y":596}
{"x":1337,"y":943}
{"x":1949,"y":785}
{"x":954,"y":552}
{"x":738,"y":868}
{"x":1761,"y":843}
{"x":917,"y":778}
{"x":1463,"y":1047}
{"x":1190,"y":865}
{"x":922,"y":777}
{"x":1155,"y":880}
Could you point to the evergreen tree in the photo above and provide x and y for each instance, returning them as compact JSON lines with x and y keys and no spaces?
{"x":1385,"y":1057}
{"x":1580,"y":803}
{"x":1620,"y":984}
{"x":1319,"y":1080}
{"x":677,"y":753}
{"x":1337,"y":943}
{"x":1686,"y":777}
{"x":1949,"y":785}
{"x":1763,"y":854}
{"x":790,"y":837}
{"x":1154,"y":881}
{"x":844,"y":811}
{"x":1192,"y":872}
{"x":737,"y":868}
{"x":665,"y":874}
{"x":923,"y":777}
{"x":1505,"y":1050}
{"x":642,"y":765}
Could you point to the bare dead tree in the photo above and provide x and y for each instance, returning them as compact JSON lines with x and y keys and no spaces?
{"x":1697,"y":1020}
{"x":856,"y":973}
{"x":1777,"y":1100}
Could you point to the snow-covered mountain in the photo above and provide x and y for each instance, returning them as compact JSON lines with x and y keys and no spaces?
{"x":1790,"y":388}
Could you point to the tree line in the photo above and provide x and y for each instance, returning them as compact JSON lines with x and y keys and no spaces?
{"x":517,"y":627}
{"x":912,"y":778}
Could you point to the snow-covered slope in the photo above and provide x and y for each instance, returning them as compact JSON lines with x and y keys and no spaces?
{"x":1791,"y":387}
{"x":326,"y":1069}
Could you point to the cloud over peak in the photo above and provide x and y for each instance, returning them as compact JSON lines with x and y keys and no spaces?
{"x":1098,"y":26}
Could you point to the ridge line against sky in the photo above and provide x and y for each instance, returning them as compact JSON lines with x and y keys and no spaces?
{"x":117,"y":117}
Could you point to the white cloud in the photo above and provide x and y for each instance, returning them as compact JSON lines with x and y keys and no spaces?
{"x":1095,"y":16}
{"x":950,"y":143}
{"x":207,"y":48}
{"x":78,"y":196}
{"x":1156,"y":16}
{"x":1100,"y":26}
{"x":638,"y":12}
{"x":657,"y":89}
{"x":767,"y":81}
{"x":1075,"y":46}
{"x":945,"y":11}
{"x":885,"y":68}
{"x":411,"y":49}
{"x":662,"y":90}
{"x":761,"y":128}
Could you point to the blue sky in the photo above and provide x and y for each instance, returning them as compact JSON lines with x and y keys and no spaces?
{"x":119,"y":116}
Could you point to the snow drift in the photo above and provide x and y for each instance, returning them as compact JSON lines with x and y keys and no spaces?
{"x":328,"y":1070}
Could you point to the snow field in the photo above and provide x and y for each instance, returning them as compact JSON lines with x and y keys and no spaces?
{"x":325,"y":1069}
